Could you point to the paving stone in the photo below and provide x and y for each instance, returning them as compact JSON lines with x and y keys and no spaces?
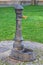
{"x":3,"y":49}
{"x":6,"y":46}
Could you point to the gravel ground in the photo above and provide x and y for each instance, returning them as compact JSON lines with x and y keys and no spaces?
{"x":5,"y":50}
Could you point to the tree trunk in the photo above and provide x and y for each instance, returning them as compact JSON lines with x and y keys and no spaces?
{"x":33,"y":2}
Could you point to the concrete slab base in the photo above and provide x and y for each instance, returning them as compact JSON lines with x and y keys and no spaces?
{"x":37,"y":48}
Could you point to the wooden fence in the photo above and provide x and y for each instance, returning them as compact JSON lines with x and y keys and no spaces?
{"x":24,"y":2}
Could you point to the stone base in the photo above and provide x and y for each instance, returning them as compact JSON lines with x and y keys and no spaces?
{"x":23,"y":55}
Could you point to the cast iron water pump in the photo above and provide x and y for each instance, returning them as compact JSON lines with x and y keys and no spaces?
{"x":19,"y":52}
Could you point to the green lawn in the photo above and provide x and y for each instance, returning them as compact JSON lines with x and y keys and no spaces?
{"x":32,"y":27}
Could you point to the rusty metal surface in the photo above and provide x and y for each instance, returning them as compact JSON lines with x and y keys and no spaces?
{"x":19,"y":52}
{"x":23,"y":56}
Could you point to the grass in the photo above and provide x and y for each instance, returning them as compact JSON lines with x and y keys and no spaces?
{"x":38,"y":62}
{"x":32,"y":27}
{"x":4,"y":63}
